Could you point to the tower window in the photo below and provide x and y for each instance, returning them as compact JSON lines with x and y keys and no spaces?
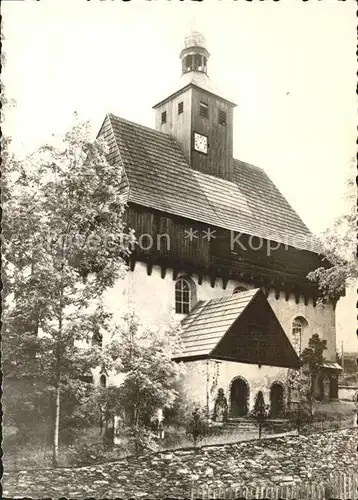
{"x":204,"y":111}
{"x":164,"y":117}
{"x":222,"y":117}
{"x":180,"y":108}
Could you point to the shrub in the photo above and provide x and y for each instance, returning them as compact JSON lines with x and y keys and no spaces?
{"x":141,"y":439}
{"x":260,"y":411}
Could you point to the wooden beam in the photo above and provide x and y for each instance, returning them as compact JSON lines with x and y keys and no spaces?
{"x":212,"y":281}
{"x":149,"y":268}
{"x":225,"y":280}
{"x":175,"y":274}
{"x":200,"y":279}
{"x":163,"y":272}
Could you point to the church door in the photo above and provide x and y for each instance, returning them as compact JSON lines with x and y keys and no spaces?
{"x":276,"y":400}
{"x":239,"y":398}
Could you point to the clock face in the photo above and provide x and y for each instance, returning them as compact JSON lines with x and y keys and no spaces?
{"x":200,"y":143}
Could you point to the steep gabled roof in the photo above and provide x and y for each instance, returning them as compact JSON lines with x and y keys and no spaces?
{"x":208,"y":321}
{"x":234,"y":327}
{"x":158,"y":176}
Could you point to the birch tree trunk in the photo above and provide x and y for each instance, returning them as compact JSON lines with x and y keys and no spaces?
{"x":56,"y":427}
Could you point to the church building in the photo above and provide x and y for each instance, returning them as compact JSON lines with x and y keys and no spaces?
{"x":219,"y":250}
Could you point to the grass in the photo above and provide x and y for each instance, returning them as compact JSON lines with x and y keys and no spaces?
{"x":334,"y":410}
{"x":89,"y":448}
{"x":37,"y":453}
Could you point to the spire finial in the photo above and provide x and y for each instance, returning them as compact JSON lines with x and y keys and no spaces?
{"x":193,"y":23}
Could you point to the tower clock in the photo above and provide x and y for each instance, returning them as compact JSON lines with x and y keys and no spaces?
{"x":197,"y":116}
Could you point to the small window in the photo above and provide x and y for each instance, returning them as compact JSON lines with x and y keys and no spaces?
{"x":240,"y":289}
{"x":182,"y":296}
{"x":102,"y":381}
{"x":222,"y":117}
{"x":164,"y":117}
{"x":180,"y":108}
{"x":204,"y":110}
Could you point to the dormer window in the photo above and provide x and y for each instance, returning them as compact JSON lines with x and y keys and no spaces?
{"x":164,"y":117}
{"x":204,"y":111}
{"x":222,"y":117}
{"x":180,"y":108}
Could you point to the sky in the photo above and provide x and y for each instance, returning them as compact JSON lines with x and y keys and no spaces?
{"x":289,"y":65}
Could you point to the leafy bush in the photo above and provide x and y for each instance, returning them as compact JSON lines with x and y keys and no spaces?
{"x":141,"y":439}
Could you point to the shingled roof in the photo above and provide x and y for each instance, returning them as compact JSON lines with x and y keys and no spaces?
{"x":231,"y":327}
{"x":158,"y":176}
{"x":208,"y":321}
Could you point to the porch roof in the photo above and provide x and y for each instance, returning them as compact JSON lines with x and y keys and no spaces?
{"x":238,"y":327}
{"x":331,"y":365}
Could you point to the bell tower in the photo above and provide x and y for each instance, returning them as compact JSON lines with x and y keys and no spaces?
{"x":197,"y":116}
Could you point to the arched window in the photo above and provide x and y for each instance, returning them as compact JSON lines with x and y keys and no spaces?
{"x":298,"y":325}
{"x":240,"y":289}
{"x":184,"y":295}
{"x":102,"y":381}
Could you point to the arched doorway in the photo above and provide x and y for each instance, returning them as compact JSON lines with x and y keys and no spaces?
{"x":239,"y":397}
{"x":276,"y":400}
